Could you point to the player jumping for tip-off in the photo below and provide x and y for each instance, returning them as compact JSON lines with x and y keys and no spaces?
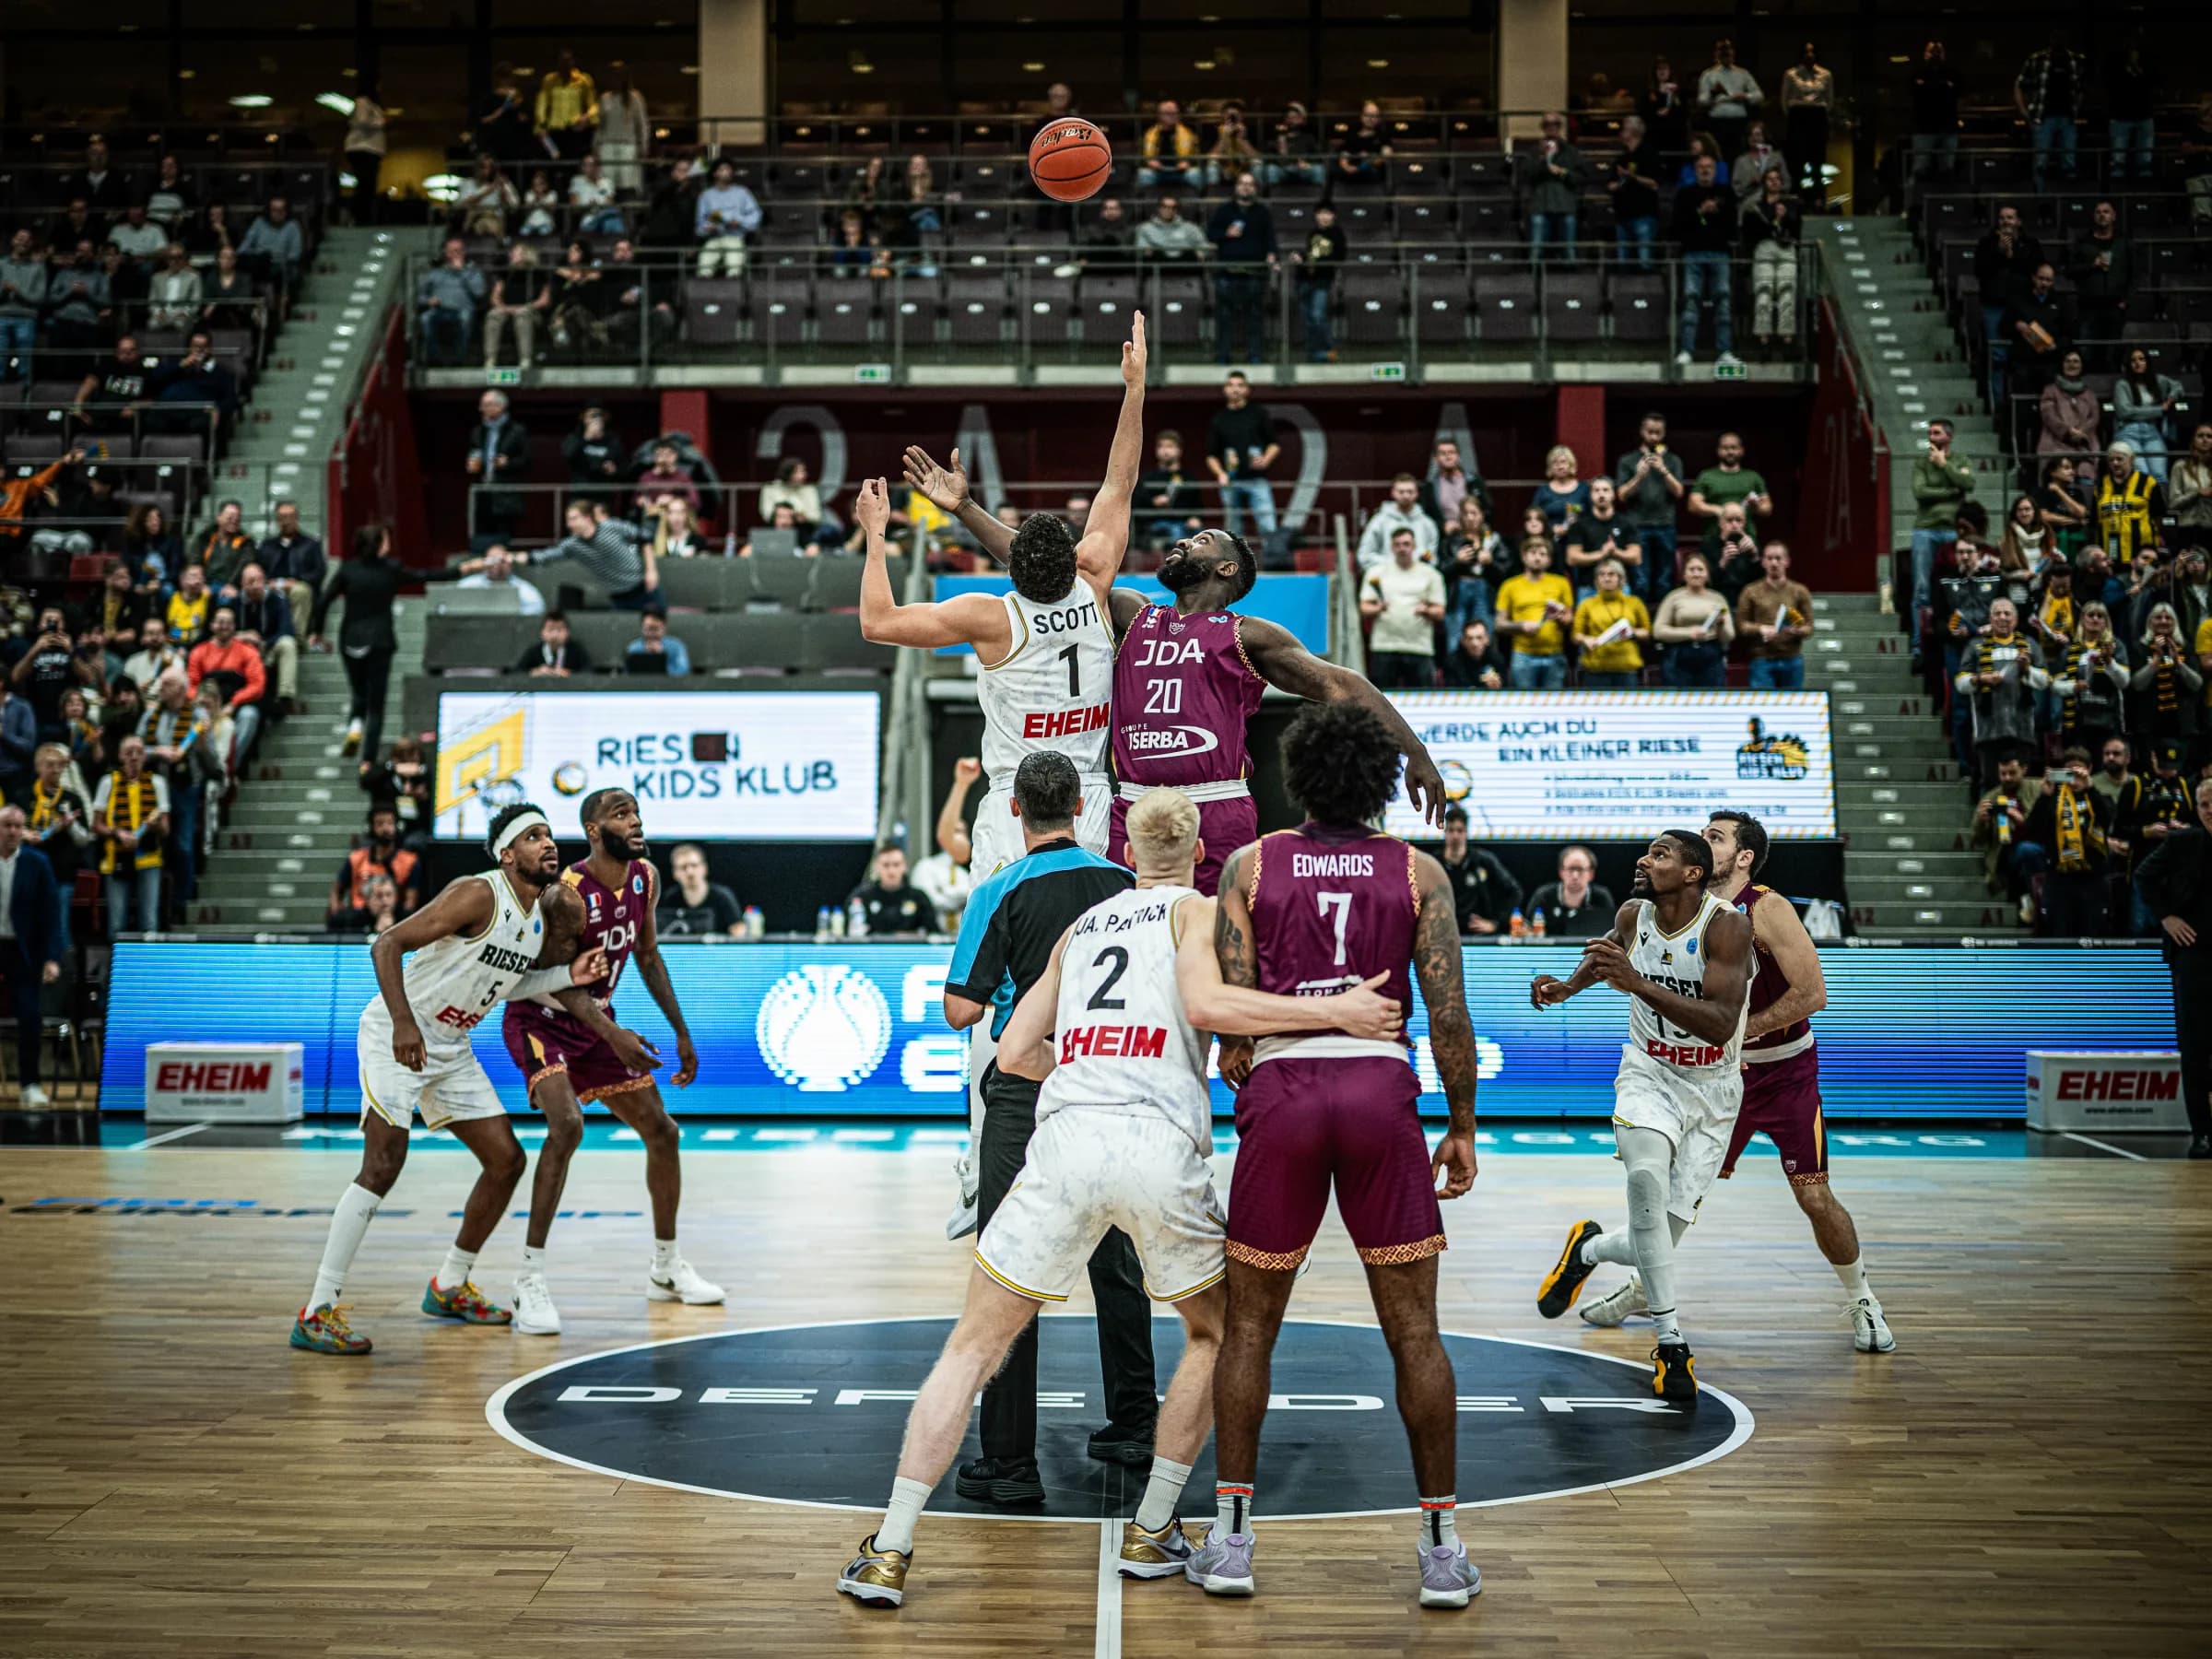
{"x":1682,"y":956}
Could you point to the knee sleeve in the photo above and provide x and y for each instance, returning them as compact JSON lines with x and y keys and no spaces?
{"x":1647,"y":1198}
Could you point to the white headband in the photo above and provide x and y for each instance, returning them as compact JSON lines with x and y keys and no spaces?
{"x":516,"y":830}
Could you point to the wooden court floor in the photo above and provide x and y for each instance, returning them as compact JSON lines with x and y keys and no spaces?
{"x":2029,"y":1474}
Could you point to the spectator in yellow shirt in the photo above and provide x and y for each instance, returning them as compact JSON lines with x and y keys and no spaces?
{"x":2204,"y":655}
{"x":1170,"y":151}
{"x":1616,"y":664}
{"x":1533,"y":609}
{"x":568,"y":108}
{"x":187,"y":616}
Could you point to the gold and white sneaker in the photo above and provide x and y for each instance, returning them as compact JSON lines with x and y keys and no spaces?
{"x":1153,"y":1555}
{"x":1617,"y":1305}
{"x":874,"y":1577}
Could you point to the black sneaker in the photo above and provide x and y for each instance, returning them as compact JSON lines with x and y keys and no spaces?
{"x":1564,"y":1282}
{"x":988,"y":1481}
{"x":2200,"y":1146}
{"x":1674,"y":1375}
{"x":1115,"y":1444}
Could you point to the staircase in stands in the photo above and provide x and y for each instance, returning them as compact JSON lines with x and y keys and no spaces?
{"x":1899,"y":798}
{"x":300,"y":804}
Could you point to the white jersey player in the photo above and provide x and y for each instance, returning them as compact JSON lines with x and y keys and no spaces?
{"x":1683,"y":956}
{"x":478,"y":944}
{"x":1045,"y":652}
{"x":1117,"y":1027}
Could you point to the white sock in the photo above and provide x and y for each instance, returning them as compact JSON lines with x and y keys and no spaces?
{"x":1160,"y":1492}
{"x":454,"y":1271}
{"x":1232,"y":1511}
{"x":348,"y":1224}
{"x":533,"y":1260}
{"x":1440,"y":1526}
{"x":898,"y":1529}
{"x":1664,"y":1327}
{"x":664,"y":1256}
{"x":1853,"y":1275}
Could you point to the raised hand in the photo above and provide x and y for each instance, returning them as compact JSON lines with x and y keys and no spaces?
{"x":1133,"y":357}
{"x":946,"y":487}
{"x":872,"y":506}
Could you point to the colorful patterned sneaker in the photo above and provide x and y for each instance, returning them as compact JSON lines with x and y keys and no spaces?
{"x":1615,"y":1306}
{"x":1564,"y":1282}
{"x":874,"y":1577}
{"x":1153,"y":1555}
{"x":325,"y":1331}
{"x":681,"y":1283}
{"x":1448,"y":1578}
{"x":464,"y":1302}
{"x":1222,"y":1566}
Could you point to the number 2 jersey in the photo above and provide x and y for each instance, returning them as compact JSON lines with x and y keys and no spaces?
{"x":1332,"y":908}
{"x":1677,"y":962}
{"x":1121,"y":1038}
{"x":611,"y":919}
{"x":1051,"y":690}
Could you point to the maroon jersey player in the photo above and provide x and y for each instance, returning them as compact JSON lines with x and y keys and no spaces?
{"x":1187,"y":678}
{"x":1782,"y":1076}
{"x":1308,"y":912}
{"x":565,"y":1066}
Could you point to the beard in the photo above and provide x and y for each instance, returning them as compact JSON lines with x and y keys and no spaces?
{"x":1642,"y":886}
{"x":623,"y":847}
{"x":1178,"y":574}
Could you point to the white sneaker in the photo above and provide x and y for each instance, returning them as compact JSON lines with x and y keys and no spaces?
{"x":681,"y":1283}
{"x":963,"y":1219}
{"x":353,"y":738}
{"x":34,"y":1098}
{"x":535,"y":1314}
{"x":1611,"y":1309}
{"x":1727,"y":360}
{"x":1869,"y":1331}
{"x":1683,"y":359}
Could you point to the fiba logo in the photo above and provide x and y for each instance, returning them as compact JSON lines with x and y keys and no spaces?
{"x":823,"y":1027}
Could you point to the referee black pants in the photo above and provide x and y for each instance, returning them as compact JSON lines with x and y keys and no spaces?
{"x":1117,"y":1282}
{"x":2192,"y":971}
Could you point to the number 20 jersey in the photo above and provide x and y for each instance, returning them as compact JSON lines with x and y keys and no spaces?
{"x":1184,"y":691}
{"x":1121,"y":1038}
{"x":1051,"y":690}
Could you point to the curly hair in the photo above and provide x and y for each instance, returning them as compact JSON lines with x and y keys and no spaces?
{"x":1340,"y":763}
{"x":1041,"y":560}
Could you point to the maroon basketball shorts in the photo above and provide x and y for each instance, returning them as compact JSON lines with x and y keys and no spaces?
{"x":542,"y":1044}
{"x":1223,"y":826}
{"x":1782,"y":1100}
{"x":1303,"y":1124}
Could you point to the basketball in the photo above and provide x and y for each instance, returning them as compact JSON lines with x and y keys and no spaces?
{"x":1069,"y":160}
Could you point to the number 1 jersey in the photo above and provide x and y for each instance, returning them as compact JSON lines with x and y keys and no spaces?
{"x":1051,"y":689}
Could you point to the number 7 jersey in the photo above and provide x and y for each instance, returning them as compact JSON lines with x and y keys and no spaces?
{"x":1331,"y":908}
{"x":1052,"y":688}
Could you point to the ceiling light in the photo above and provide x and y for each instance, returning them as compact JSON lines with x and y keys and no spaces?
{"x":251,"y":100}
{"x":1032,"y":68}
{"x":337,"y":103}
{"x":188,"y":74}
{"x":1203,"y":64}
{"x":442,"y":187}
{"x":1378,"y":62}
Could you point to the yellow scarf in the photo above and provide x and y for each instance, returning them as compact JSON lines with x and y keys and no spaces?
{"x":44,"y":806}
{"x":140,"y":798}
{"x":2077,"y":832}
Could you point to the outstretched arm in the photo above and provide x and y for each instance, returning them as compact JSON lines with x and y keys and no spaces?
{"x":977,"y":619}
{"x":1775,"y":919}
{"x":1106,"y":530}
{"x":953,"y":839}
{"x":1214,"y":1004}
{"x":1436,"y":968}
{"x":1286,"y":666}
{"x":1546,"y":992}
{"x":654,"y":969}
{"x":946,"y":487}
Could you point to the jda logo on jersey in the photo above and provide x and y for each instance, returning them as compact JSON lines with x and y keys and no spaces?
{"x":823,"y":1027}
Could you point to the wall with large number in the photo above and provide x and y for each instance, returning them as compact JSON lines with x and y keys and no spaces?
{"x":855,"y":1028}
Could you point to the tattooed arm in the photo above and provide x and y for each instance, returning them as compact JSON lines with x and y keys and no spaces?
{"x":1232,"y":949}
{"x":1436,"y":968}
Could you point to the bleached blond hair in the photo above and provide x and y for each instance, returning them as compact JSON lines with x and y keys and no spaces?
{"x":1163,"y":827}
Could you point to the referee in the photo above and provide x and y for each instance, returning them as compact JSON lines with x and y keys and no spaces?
{"x":2176,"y":883}
{"x":1006,"y":937}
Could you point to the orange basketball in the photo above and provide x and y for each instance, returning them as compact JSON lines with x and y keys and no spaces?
{"x":1069,"y":160}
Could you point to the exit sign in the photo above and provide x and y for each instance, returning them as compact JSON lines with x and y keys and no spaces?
{"x":1730,"y":371}
{"x":1386,"y":372}
{"x":502,"y":377}
{"x":872,"y":374}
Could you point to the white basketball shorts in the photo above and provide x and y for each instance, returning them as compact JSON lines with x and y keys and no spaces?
{"x":452,"y":1084}
{"x":1696,"y":1113}
{"x":1094,"y":1167}
{"x":994,"y":837}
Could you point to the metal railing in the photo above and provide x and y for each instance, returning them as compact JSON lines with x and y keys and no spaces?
{"x":1041,"y":312}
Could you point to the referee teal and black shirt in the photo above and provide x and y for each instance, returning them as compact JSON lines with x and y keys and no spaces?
{"x":1016,"y":917}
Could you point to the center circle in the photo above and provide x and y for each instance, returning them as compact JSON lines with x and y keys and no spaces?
{"x":814,"y":1414}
